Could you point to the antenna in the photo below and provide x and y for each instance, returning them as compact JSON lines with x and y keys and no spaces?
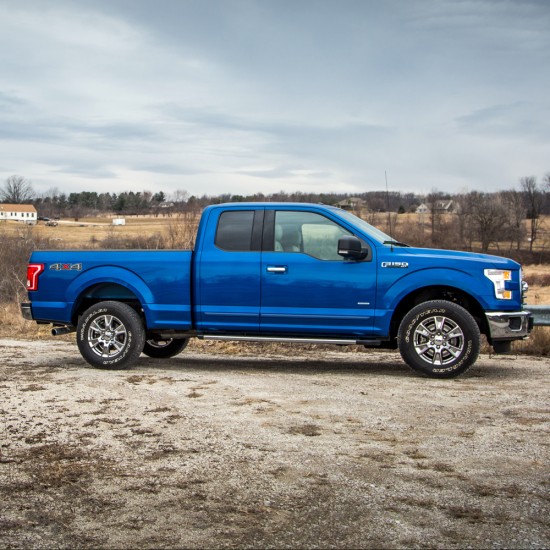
{"x":388,"y":203}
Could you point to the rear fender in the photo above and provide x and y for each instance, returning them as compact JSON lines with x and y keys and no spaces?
{"x":108,"y":275}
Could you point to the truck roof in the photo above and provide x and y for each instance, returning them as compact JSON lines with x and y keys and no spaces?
{"x":272,"y":205}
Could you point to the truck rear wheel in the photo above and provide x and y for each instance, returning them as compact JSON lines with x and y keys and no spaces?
{"x":110,"y":335}
{"x":164,"y":349}
{"x":439,"y":339}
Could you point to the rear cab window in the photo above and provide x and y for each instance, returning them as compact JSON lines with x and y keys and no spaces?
{"x":239,"y":230}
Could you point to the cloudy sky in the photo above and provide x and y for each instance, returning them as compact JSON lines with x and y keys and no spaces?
{"x":241,"y":96}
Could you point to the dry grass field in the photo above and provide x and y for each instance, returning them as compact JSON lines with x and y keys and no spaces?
{"x":89,"y":232}
{"x":179,"y":231}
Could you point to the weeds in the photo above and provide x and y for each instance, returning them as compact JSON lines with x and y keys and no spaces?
{"x":537,"y":344}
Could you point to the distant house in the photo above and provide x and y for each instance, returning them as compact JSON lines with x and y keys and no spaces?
{"x":444,"y":207}
{"x":422,"y":209}
{"x":18,"y":213}
{"x":352,"y":203}
{"x":440,"y":207}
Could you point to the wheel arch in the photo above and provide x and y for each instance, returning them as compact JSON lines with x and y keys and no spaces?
{"x":102,"y":292}
{"x":107,"y":283}
{"x":437,"y":292}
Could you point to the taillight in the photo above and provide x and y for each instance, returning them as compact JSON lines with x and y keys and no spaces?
{"x":33,"y":271}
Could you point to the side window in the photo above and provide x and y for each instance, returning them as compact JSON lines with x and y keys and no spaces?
{"x":309,"y":233}
{"x":234,"y":231}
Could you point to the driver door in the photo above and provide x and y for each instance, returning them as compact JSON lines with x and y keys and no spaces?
{"x":306,"y":287}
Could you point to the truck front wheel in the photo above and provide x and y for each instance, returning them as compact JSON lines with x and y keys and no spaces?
{"x":110,"y":335}
{"x":439,"y":339}
{"x":164,"y":349}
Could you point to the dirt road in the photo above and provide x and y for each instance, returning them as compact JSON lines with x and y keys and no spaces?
{"x":316,"y":449}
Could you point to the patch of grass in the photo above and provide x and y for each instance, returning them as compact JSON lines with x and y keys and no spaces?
{"x":56,"y":465}
{"x":442,"y":467}
{"x":7,"y":524}
{"x":143,"y":431}
{"x":33,"y":387}
{"x":158,"y":410}
{"x":483,"y":490}
{"x":135,"y":378}
{"x":309,"y":430}
{"x":416,"y":454}
{"x":416,"y":502}
{"x":471,"y":515}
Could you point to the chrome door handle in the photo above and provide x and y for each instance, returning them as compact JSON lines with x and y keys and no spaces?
{"x":275,"y":269}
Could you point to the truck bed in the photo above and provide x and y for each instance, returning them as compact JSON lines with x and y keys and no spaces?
{"x":160,"y":280}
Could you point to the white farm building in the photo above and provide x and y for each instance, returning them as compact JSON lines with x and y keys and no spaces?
{"x":18,"y":213}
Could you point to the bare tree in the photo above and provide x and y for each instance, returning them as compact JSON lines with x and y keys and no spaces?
{"x":179,"y":198}
{"x":515,"y":206}
{"x":16,"y":190}
{"x":464,"y":222}
{"x":435,"y":213}
{"x":534,"y":201}
{"x":489,"y":217}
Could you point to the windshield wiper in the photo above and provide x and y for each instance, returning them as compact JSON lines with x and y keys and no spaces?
{"x":396,"y":243}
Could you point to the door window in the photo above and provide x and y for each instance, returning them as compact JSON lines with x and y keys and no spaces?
{"x":309,"y":233}
{"x":234,"y":231}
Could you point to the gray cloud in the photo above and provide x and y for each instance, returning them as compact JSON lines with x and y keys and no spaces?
{"x":519,"y":118}
{"x":236,"y":95}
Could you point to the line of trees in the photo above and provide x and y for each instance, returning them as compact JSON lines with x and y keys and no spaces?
{"x":485,"y":218}
{"x":492,"y":218}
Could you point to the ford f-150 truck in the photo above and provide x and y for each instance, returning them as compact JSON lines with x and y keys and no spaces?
{"x":286,"y":273}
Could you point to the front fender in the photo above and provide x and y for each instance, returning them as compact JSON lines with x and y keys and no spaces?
{"x":394,"y":286}
{"x":396,"y":290}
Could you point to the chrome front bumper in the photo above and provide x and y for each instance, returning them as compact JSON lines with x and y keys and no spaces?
{"x":509,"y":325}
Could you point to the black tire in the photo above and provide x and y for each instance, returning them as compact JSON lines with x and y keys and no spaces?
{"x":163,"y":349}
{"x":110,"y":335}
{"x":439,"y":339}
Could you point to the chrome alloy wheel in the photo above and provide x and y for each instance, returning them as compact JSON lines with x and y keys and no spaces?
{"x":107,"y":336}
{"x":438,"y":340}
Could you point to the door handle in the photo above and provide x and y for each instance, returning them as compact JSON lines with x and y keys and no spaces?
{"x":276,"y":269}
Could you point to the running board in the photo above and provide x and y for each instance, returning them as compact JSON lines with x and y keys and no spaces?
{"x":293,"y":340}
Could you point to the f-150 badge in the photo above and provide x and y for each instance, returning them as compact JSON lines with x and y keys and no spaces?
{"x":394,"y":264}
{"x":66,"y":267}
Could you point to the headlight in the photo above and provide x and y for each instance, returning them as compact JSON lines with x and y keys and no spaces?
{"x":499,"y":278}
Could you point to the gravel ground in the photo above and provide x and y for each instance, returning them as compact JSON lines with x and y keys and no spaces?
{"x":258,"y":449}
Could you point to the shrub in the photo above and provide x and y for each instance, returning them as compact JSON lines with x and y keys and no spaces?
{"x":15,"y":250}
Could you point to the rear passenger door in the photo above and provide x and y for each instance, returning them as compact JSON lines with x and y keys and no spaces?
{"x":227,"y":281}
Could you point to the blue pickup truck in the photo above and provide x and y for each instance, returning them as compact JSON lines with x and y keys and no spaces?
{"x":281,"y":273}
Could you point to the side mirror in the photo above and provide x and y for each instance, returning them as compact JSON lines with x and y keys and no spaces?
{"x":349,"y":246}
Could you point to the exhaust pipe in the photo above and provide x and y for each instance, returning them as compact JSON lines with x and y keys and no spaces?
{"x":65,"y":329}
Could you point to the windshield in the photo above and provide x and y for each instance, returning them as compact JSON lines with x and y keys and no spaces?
{"x":367,"y":228}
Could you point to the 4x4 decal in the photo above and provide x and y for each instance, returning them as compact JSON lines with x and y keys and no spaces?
{"x":66,"y":267}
